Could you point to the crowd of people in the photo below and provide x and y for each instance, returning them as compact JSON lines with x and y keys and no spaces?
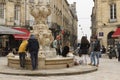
{"x":93,"y":47}
{"x":85,"y":48}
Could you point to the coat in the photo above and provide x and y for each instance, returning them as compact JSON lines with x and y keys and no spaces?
{"x":33,"y":44}
{"x":65,"y":51}
{"x":84,"y":47}
{"x":23,"y":46}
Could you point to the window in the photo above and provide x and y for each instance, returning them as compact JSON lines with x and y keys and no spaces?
{"x":17,"y":14}
{"x":2,"y":10}
{"x":17,"y":9}
{"x":113,"y":16}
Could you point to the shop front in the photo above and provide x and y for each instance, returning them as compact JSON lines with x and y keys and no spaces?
{"x":10,"y":39}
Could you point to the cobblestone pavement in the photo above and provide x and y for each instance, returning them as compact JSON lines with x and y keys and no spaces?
{"x":108,"y":70}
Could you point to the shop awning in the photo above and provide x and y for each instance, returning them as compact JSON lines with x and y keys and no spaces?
{"x":21,"y":36}
{"x":116,"y":33}
{"x":8,"y":30}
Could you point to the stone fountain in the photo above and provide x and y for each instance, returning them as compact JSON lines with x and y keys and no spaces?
{"x":41,"y":30}
{"x":47,"y":56}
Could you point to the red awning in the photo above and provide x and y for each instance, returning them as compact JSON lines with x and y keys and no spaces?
{"x":21,"y":36}
{"x":116,"y":33}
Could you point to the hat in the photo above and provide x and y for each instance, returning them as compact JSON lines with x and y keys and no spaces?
{"x":32,"y":36}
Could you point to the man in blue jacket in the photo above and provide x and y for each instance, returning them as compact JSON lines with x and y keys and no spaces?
{"x":33,"y":48}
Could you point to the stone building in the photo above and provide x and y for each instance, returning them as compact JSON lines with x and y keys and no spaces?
{"x":15,"y":13}
{"x":63,"y":18}
{"x":105,"y":20}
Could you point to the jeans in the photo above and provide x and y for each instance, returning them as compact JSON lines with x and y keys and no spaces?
{"x":95,"y":57}
{"x":91,"y":57}
{"x":22,"y":59}
{"x":34,"y":59}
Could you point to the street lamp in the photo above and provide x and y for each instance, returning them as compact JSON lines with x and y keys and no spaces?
{"x":81,"y":30}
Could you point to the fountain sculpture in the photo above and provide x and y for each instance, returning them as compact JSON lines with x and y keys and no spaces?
{"x":41,"y":30}
{"x":47,"y":56}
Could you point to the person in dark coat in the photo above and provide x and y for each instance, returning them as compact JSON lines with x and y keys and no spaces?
{"x":84,"y":47}
{"x":118,"y":49}
{"x":65,"y":50}
{"x":33,"y":48}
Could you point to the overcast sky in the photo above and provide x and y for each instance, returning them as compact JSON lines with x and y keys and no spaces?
{"x":84,"y":11}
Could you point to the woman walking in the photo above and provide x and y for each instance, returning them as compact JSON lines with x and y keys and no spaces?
{"x":84,"y":47}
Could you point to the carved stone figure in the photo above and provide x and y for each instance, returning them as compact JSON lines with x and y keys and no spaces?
{"x":40,"y":13}
{"x":40,"y":29}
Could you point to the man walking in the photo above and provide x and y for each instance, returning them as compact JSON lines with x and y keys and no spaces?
{"x":33,"y":48}
{"x":95,"y":53}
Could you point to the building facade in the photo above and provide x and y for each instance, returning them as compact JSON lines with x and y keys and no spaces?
{"x":15,"y":13}
{"x":63,"y":19}
{"x":105,"y":20}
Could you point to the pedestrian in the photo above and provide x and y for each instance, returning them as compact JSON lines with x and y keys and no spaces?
{"x":91,"y":50}
{"x":33,"y":48}
{"x":66,"y":49}
{"x":103,"y":49}
{"x":57,"y":46}
{"x":22,"y":53}
{"x":95,"y":51}
{"x":84,"y":47}
{"x":118,"y":49}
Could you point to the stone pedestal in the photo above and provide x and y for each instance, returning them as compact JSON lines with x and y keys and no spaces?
{"x":43,"y":62}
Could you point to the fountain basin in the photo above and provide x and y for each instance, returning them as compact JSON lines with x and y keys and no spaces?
{"x":43,"y":63}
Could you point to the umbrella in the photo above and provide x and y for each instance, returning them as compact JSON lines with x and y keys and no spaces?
{"x":8,"y":30}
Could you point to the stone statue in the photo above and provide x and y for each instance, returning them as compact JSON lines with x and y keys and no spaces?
{"x":40,"y":29}
{"x":40,"y":12}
